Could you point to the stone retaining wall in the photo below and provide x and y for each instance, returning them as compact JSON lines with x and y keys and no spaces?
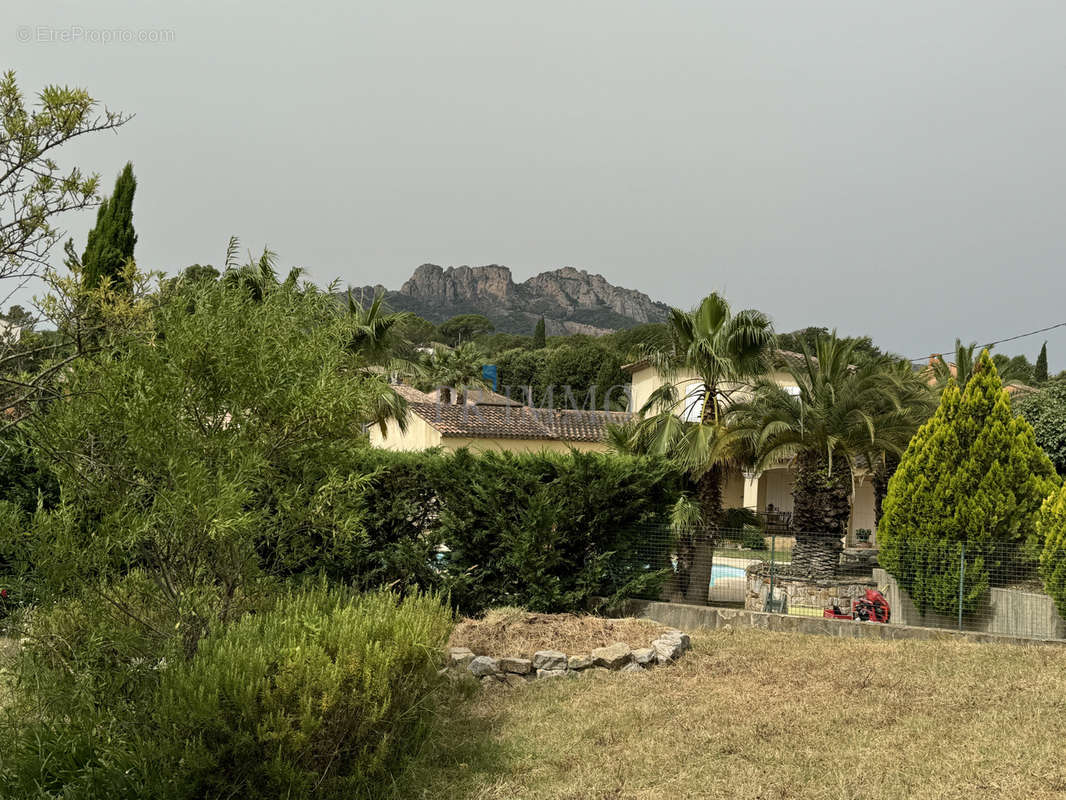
{"x":618,"y":657}
{"x":839,"y":591}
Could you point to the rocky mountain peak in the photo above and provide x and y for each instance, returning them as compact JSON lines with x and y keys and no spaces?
{"x":571,"y":300}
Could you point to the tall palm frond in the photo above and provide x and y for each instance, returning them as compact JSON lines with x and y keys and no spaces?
{"x":455,"y":369}
{"x":961,"y":369}
{"x":375,"y":334}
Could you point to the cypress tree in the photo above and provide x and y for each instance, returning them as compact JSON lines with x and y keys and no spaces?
{"x":111,"y":242}
{"x":1052,"y":527}
{"x":1040,"y":370}
{"x":539,"y":339}
{"x":973,"y":475}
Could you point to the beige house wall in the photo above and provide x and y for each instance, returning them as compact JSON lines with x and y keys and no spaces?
{"x":452,"y":443}
{"x":420,"y":435}
{"x":775,"y":485}
{"x":777,"y":489}
{"x":862,"y":509}
{"x":647,"y":379}
{"x":733,"y":490}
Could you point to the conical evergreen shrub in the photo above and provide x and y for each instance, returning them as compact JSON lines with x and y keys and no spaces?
{"x":973,"y":475}
{"x":1052,"y":527}
{"x":111,"y":242}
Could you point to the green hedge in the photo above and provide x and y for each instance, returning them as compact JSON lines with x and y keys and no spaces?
{"x":543,"y":531}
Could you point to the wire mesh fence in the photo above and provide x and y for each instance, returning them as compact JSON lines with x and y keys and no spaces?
{"x":976,"y":586}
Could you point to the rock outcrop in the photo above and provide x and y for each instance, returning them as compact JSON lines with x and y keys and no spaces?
{"x":569,"y":299}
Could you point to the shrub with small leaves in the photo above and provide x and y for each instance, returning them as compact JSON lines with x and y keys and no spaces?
{"x":328,"y":695}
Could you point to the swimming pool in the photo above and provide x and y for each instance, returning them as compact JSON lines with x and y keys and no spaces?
{"x":726,"y":571}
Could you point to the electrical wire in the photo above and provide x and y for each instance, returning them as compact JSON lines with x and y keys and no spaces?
{"x":998,"y":341}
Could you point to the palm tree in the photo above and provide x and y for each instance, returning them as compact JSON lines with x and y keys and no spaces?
{"x":840,"y":418}
{"x":712,"y":355}
{"x":374,"y":339}
{"x":259,"y":275}
{"x":453,"y":369}
{"x":1012,"y":371}
{"x":961,"y":369}
{"x":375,"y":336}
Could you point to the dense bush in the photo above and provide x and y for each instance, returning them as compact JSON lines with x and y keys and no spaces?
{"x":198,"y":439}
{"x":580,"y":365}
{"x":85,"y":671}
{"x":543,"y":531}
{"x":24,"y":481}
{"x":1045,"y":410}
{"x":1052,"y":527}
{"x":329,"y":695}
{"x":972,"y":475}
{"x":324,"y":694}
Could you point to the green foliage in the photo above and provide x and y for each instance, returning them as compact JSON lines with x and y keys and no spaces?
{"x":1040,"y":370}
{"x":539,"y":339}
{"x":328,"y":695}
{"x":452,"y":369}
{"x":85,"y":672}
{"x":1046,"y":412}
{"x":545,"y":531}
{"x":840,"y":416}
{"x":322,"y":693}
{"x":863,"y":348}
{"x":376,"y":334}
{"x":520,"y":368}
{"x":958,"y":368}
{"x":578,"y":371}
{"x":972,"y":475}
{"x":23,"y":479}
{"x":20,"y":318}
{"x":1051,"y":527}
{"x":631,"y":342}
{"x":1016,"y":369}
{"x":34,"y":190}
{"x":215,"y":429}
{"x":414,"y":332}
{"x":112,"y":241}
{"x":464,"y":328}
{"x":495,"y":343}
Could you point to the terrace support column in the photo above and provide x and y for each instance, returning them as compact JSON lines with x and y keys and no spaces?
{"x":751,"y":490}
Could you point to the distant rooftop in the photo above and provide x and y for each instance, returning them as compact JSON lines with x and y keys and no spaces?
{"x":483,"y":421}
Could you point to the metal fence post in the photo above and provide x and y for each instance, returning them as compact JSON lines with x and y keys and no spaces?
{"x":962,"y":579}
{"x":769,"y":604}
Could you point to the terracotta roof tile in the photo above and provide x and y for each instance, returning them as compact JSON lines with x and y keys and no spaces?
{"x":518,"y":422}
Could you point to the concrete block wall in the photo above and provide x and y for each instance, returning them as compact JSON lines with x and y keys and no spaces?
{"x":687,"y":617}
{"x":1007,"y":611}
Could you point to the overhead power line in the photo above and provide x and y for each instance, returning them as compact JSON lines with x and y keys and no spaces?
{"x":997,"y":341}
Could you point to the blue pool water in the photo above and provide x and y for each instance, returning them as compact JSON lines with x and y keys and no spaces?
{"x":725,"y":571}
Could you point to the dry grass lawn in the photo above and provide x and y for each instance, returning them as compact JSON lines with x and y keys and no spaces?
{"x":514,"y":632}
{"x":753,"y":714}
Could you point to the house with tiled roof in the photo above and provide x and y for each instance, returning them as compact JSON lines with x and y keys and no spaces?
{"x":768,"y":492}
{"x":491,"y":421}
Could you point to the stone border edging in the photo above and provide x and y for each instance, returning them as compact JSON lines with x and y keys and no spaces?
{"x":715,"y":618}
{"x":617,"y":657}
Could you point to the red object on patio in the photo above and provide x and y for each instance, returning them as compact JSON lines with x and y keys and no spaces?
{"x":871,"y":608}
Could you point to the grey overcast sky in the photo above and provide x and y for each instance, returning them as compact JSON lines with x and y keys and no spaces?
{"x":895,"y":169}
